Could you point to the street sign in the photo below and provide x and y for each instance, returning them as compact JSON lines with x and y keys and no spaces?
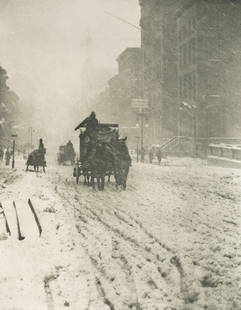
{"x":139,"y":104}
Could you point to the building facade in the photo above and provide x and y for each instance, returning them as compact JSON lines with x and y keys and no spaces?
{"x":191,"y":68}
{"x":208,"y":63}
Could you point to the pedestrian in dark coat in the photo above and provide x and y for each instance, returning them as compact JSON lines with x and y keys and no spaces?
{"x":143,"y":153}
{"x":159,"y":156}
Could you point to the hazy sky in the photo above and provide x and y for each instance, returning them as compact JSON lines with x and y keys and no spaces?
{"x":43,"y":44}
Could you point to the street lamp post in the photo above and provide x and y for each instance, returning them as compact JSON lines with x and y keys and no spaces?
{"x":13,"y":157}
{"x":192,"y":111}
{"x":142,"y":135}
{"x":137,"y":148}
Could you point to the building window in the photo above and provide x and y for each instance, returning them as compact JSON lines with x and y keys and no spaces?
{"x":189,"y":52}
{"x":181,"y":88}
{"x":180,"y":35}
{"x":189,"y":27}
{"x":190,"y":89}
{"x":193,"y":48}
{"x":194,"y":86}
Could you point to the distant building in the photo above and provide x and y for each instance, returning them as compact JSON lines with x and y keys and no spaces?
{"x":124,"y":87}
{"x":102,"y":106}
{"x":209,"y":62}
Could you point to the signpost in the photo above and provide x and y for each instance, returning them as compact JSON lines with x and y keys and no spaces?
{"x":141,"y":105}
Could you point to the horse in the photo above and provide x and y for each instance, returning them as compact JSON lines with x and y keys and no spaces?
{"x":122,"y":163}
{"x":98,"y":166}
{"x":36,"y":159}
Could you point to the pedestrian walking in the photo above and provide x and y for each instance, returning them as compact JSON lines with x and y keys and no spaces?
{"x":159,"y":156}
{"x":143,"y":153}
{"x":151,"y":155}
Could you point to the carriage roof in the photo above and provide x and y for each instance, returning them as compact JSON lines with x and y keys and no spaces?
{"x":101,"y":125}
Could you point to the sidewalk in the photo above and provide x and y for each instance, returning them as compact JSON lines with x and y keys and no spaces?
{"x":37,"y":273}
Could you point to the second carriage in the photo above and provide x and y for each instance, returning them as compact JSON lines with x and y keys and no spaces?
{"x":66,"y":154}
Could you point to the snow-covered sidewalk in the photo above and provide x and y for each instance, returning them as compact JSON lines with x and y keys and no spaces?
{"x":40,"y":272}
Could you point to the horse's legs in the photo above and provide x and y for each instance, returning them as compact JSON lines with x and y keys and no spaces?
{"x":92,"y":181}
{"x":98,"y":183}
{"x":117,"y":179}
{"x":126,"y":171}
{"x":88,"y":177}
{"x":102,"y":182}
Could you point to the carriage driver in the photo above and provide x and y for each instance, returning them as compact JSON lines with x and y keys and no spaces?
{"x":41,"y":148}
{"x":91,"y":124}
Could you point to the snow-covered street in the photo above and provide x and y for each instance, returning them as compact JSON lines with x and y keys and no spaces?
{"x":172,"y":240}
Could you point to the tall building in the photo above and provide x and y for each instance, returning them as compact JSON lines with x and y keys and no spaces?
{"x":159,"y":42}
{"x":209,"y":62}
{"x":192,"y":67}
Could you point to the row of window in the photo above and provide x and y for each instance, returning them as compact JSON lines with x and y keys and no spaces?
{"x":187,"y":53}
{"x":187,"y":29}
{"x":188,"y":87}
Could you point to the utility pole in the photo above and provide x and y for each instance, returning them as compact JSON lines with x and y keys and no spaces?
{"x":141,"y":114}
{"x":137,"y":148}
{"x":13,"y":155}
{"x":31,"y":138}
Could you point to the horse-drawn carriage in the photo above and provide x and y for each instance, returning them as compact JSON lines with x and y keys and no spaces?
{"x":102,"y":154}
{"x":36,"y":159}
{"x":66,"y":154}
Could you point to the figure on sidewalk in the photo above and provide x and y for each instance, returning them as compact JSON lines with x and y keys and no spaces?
{"x":143,"y":153}
{"x":151,"y":155}
{"x":159,"y":156}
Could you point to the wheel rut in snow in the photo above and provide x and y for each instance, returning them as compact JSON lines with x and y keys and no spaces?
{"x":87,"y":219}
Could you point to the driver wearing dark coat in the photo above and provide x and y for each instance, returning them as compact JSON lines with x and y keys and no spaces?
{"x":91,"y":122}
